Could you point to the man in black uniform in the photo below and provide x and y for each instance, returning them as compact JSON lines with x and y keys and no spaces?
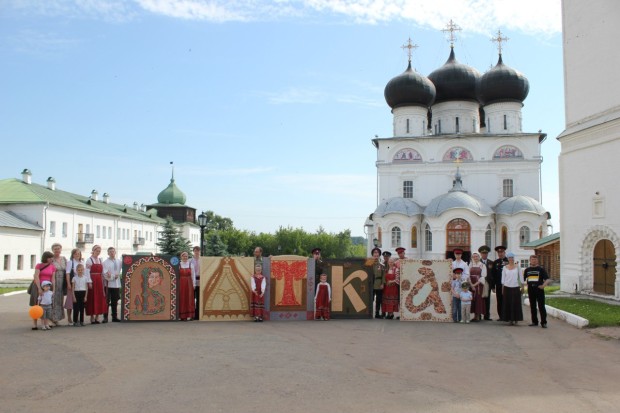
{"x":537,"y":279}
{"x":484,"y":257}
{"x":378,"y":281}
{"x":498,"y":266}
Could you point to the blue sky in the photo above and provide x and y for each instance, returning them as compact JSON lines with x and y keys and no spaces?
{"x":267,"y":108}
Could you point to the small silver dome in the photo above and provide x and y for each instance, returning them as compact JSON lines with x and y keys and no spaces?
{"x":398,"y":205}
{"x":454,"y":200}
{"x":519,"y":203}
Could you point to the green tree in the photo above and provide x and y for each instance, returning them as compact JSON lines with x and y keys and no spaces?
{"x":171,"y":242}
{"x":215,"y":247}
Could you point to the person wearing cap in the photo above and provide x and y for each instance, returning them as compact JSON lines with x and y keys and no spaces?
{"x":488,"y":281}
{"x":537,"y":279}
{"x":455,"y":290}
{"x":318,"y":265}
{"x":512,"y":285}
{"x":459,"y":263}
{"x":45,"y":301}
{"x":378,"y":281}
{"x":498,"y":266}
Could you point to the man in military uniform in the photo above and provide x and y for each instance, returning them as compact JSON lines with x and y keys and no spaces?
{"x":488,"y":285}
{"x":318,"y":265}
{"x":378,"y":281}
{"x":498,"y":266}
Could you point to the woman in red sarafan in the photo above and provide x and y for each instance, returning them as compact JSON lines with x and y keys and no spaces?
{"x":259,"y":284}
{"x":322,"y":299}
{"x":391,"y":300}
{"x":97,"y":303}
{"x":187,"y":280}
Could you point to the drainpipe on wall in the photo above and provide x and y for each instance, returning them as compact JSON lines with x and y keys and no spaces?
{"x":47,"y":205}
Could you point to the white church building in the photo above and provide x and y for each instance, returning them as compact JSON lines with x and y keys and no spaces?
{"x":459,"y":171}
{"x":590,"y":144}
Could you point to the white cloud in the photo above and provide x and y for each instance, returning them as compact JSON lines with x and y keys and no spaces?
{"x":38,"y":43}
{"x":479,"y":16}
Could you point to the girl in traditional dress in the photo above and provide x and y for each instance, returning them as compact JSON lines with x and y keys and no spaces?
{"x":477,"y":279}
{"x":511,"y":285}
{"x":322,"y":299}
{"x":74,"y":260}
{"x":187,"y":282}
{"x":390,"y":291}
{"x":60,"y":265}
{"x":259,"y":284}
{"x":97,"y":304}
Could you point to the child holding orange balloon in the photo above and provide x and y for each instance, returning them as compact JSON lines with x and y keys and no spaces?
{"x":45,"y":301}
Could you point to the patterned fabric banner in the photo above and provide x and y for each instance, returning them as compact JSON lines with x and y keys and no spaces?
{"x":149,"y":288}
{"x":290,"y":289}
{"x":351,"y":283}
{"x":425,"y":290}
{"x":225,"y":288}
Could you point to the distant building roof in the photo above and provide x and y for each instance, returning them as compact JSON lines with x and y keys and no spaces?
{"x":12,"y":220}
{"x":15,"y":191}
{"x":519,"y":203}
{"x":542,"y":242}
{"x":398,"y":205}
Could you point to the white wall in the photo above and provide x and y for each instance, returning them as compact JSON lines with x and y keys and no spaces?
{"x":16,"y":242}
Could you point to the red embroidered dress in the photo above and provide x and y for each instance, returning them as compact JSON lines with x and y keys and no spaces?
{"x":257,"y":305}
{"x":391,"y":299}
{"x":322,"y":300}
{"x":97,"y":303}
{"x":187,"y":308}
{"x":477,"y":304}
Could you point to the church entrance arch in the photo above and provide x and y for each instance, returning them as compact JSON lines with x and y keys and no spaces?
{"x":604,"y":267}
{"x":458,"y":234}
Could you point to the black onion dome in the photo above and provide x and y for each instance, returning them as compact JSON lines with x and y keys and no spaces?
{"x":503,"y":83}
{"x":409,"y":89}
{"x":455,"y":81}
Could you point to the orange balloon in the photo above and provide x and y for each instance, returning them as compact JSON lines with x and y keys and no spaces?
{"x":36,"y":311}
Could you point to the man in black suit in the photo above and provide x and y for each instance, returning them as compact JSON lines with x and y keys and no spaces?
{"x":488,"y":283}
{"x":498,"y":266}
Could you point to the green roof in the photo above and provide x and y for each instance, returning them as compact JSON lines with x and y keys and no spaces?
{"x":15,"y":191}
{"x":171,"y":195}
{"x":549,"y":239}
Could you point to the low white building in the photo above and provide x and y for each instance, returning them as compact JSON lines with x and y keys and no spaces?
{"x":588,"y":164}
{"x":34,"y":216}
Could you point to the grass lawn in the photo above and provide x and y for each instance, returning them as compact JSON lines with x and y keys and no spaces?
{"x":598,"y":314}
{"x":552,"y":289}
{"x":10,"y":290}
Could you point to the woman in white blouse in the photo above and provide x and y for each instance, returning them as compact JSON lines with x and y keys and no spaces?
{"x":511,"y":288}
{"x":74,"y":260}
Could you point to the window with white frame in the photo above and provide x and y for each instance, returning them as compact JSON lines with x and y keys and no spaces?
{"x":395,"y":237}
{"x":20,"y":262}
{"x":507,"y":188}
{"x":52,"y":228}
{"x":428,"y":238}
{"x":98,"y":231}
{"x":524,"y":235}
{"x":524,"y":263}
{"x":33,"y":261}
{"x":407,"y":189}
{"x":64,"y":229}
{"x":7,"y":262}
{"x":488,"y":236}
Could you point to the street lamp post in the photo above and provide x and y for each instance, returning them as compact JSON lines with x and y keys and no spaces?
{"x":202,"y":223}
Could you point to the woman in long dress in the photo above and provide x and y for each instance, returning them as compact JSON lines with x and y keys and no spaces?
{"x":60,"y":265}
{"x":97,"y":304}
{"x":187,"y":281}
{"x":511,"y":285}
{"x":391,"y":300}
{"x":477,"y":277}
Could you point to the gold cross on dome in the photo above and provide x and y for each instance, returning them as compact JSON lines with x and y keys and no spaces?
{"x":499,"y":39}
{"x":409,"y":46}
{"x":451,"y":27}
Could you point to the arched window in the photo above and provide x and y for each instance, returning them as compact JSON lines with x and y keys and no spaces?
{"x":505,"y":237}
{"x":395,"y":237}
{"x":488,"y":236}
{"x":428,"y":238}
{"x":414,"y":237}
{"x":524,"y":235}
{"x":458,"y":232}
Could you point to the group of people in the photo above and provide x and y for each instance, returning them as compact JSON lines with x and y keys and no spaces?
{"x":92,"y":286}
{"x":76,"y":286}
{"x":473,"y":283}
